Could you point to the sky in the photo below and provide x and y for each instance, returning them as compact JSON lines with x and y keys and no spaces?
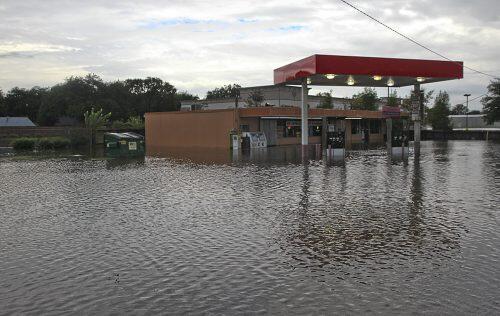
{"x":200,"y":45}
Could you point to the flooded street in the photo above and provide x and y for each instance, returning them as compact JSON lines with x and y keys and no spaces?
{"x":267,"y":234}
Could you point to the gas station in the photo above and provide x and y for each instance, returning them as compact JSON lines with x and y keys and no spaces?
{"x":331,"y":131}
{"x":333,"y":70}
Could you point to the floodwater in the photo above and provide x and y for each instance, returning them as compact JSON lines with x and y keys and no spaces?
{"x":271,"y":234}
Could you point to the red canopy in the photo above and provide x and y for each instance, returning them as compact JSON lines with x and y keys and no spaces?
{"x":332,"y":70}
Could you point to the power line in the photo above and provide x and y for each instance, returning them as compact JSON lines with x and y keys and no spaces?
{"x":482,"y":95}
{"x":414,"y":41}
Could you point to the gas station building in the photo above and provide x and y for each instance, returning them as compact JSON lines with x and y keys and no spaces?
{"x":305,"y":125}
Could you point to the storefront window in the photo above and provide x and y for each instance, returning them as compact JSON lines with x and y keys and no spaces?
{"x":374,"y":127}
{"x":292,"y":128}
{"x":355,"y":127}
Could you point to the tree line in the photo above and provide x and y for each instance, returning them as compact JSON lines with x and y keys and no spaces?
{"x":131,"y":98}
{"x":76,"y":95}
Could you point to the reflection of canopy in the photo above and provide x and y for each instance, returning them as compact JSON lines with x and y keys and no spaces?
{"x":363,"y":71}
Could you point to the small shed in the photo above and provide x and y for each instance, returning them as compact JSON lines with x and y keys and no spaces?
{"x":7,"y":121}
{"x":124,"y":144}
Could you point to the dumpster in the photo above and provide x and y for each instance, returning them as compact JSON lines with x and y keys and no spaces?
{"x":124,"y":144}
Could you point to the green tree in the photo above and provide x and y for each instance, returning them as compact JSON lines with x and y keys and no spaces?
{"x":224,"y":92}
{"x":426,"y":100}
{"x":94,"y":120}
{"x":24,"y":102}
{"x":135,"y":122}
{"x":152,"y":95}
{"x":438,"y":114}
{"x":392,"y":99}
{"x":365,"y":100}
{"x":491,"y":102}
{"x":459,"y":109}
{"x":3,"y":110}
{"x":326,"y":100}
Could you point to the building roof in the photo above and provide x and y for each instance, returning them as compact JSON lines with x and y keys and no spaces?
{"x":8,"y":121}
{"x":402,"y":72}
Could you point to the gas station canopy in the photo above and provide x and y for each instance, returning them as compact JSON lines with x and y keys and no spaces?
{"x":332,"y":70}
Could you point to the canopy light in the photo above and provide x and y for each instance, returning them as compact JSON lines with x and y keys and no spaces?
{"x":377,"y":78}
{"x":353,"y":118}
{"x":308,"y":81}
{"x":390,"y":82}
{"x":420,"y":79}
{"x":330,"y":76}
{"x":350,"y":81}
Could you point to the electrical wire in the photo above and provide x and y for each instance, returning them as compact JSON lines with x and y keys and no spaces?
{"x":414,"y":41}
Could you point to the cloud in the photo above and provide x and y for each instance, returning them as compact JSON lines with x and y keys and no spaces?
{"x":198,"y":45}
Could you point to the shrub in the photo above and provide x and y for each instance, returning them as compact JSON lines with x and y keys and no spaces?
{"x":60,"y":142}
{"x":44,"y":144}
{"x":24,"y":143}
{"x":119,"y":124}
{"x":77,"y":139}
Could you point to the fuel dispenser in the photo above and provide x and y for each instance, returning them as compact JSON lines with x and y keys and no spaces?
{"x":400,"y":138}
{"x":335,"y":144}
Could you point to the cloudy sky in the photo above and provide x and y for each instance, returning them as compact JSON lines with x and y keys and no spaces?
{"x":199,"y":45}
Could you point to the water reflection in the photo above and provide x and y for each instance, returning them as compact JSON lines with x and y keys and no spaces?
{"x":262,"y":232}
{"x":343,"y":231}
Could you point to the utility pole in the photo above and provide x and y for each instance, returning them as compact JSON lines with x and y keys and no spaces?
{"x":467,"y":95}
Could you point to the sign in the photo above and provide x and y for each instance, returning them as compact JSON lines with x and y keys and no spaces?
{"x":391,"y":111}
{"x":298,"y":123}
{"x":132,"y":146}
{"x":415,"y":107}
{"x":331,"y":128}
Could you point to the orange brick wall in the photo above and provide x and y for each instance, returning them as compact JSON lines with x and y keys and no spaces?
{"x":189,"y":129}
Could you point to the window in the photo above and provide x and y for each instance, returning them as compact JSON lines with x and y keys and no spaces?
{"x":375,"y":127}
{"x":355,"y":127}
{"x":244,"y":128}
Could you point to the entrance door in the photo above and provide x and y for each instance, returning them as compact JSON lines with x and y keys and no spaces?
{"x":269,"y":128}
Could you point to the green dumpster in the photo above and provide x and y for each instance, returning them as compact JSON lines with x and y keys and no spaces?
{"x":124,"y":144}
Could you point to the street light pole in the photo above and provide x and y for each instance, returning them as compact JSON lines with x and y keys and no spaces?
{"x":467,"y":95}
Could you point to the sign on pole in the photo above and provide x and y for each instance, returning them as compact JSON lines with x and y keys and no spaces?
{"x":415,"y":107}
{"x":391,"y":112}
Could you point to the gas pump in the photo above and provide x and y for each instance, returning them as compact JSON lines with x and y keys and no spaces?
{"x":335,"y":147}
{"x":400,"y":138}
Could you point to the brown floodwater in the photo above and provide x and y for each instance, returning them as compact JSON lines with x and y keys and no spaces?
{"x":203,"y":232}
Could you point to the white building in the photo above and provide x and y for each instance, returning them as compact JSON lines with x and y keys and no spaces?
{"x":282,"y":96}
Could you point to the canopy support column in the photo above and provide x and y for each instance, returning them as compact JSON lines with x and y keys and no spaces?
{"x":304,"y":114}
{"x":417,"y":116}
{"x":388,"y":125}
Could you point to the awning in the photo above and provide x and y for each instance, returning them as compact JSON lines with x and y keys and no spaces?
{"x":332,"y":70}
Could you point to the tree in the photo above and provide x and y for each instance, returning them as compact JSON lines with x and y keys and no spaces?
{"x":392,"y":99}
{"x":459,"y":109}
{"x":255,"y":98}
{"x":135,"y":122}
{"x":438,"y":115}
{"x":365,"y":100}
{"x":94,"y":120}
{"x":426,"y":100}
{"x":224,"y":92}
{"x":2,"y":104}
{"x":326,"y":100}
{"x":152,"y":95}
{"x":491,"y":102}
{"x":24,"y":102}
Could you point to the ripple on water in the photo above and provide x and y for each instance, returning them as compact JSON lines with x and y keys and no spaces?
{"x":266,"y":234}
